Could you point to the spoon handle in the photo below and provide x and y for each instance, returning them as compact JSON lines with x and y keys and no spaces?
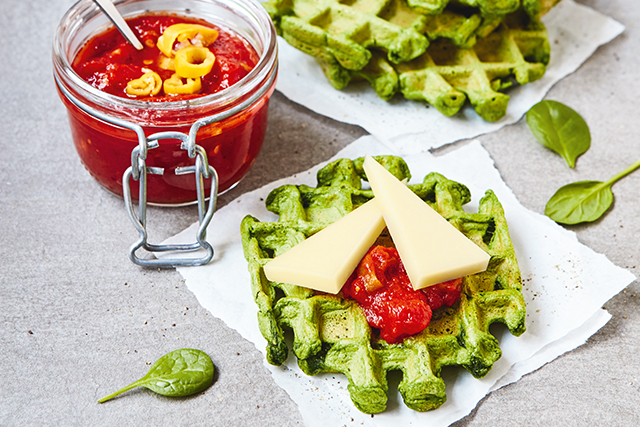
{"x":110,"y":10}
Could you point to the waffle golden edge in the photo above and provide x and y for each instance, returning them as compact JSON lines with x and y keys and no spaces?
{"x":435,"y":51}
{"x":331,"y":334}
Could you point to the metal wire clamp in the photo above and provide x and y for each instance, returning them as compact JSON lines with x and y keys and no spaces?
{"x":138,"y":171}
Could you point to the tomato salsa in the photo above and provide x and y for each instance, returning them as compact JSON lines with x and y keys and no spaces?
{"x":382,"y":288}
{"x":108,"y":62}
{"x":188,"y":70}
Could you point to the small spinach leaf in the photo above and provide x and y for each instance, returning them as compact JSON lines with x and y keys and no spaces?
{"x":560,"y":129}
{"x":179,"y":373}
{"x":583,"y":201}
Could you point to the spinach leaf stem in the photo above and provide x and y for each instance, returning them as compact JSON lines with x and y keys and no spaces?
{"x":622,"y":174}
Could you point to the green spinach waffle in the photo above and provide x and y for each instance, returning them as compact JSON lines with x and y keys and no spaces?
{"x":436,"y":51}
{"x":331,"y":334}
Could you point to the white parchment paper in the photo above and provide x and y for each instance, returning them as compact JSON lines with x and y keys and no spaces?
{"x":575,"y":32}
{"x":565,"y":286}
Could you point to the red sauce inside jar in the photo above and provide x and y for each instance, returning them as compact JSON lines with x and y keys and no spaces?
{"x":108,"y":62}
{"x":380,"y":285}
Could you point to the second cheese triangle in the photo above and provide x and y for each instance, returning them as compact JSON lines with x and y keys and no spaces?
{"x":431,"y":249}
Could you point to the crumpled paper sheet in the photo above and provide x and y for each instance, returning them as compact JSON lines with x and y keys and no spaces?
{"x":565,"y":285}
{"x":575,"y":32}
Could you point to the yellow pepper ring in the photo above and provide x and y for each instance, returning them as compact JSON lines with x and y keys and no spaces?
{"x":175,"y":86}
{"x":192,"y":62}
{"x":199,"y":34}
{"x":149,"y":84}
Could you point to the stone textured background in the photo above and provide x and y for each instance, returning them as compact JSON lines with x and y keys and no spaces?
{"x":78,"y":320}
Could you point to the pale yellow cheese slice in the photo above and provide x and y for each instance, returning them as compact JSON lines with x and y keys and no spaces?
{"x":431,"y":249}
{"x":325,"y":260}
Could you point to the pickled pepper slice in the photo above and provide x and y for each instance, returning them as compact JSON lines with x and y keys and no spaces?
{"x":193,"y":34}
{"x":176,"y":86}
{"x":149,"y":84}
{"x":192,"y":61}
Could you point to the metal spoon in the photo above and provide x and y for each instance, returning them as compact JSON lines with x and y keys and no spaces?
{"x":110,"y":10}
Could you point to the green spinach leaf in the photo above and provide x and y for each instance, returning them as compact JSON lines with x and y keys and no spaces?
{"x":584,"y":201}
{"x":560,"y":129}
{"x":179,"y":373}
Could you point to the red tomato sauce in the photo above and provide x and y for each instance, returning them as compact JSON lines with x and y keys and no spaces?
{"x":382,"y":288}
{"x":108,"y":62}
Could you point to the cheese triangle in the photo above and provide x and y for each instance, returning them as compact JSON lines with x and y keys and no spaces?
{"x":431,"y":249}
{"x":325,"y":260}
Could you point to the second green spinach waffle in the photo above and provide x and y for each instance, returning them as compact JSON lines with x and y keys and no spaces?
{"x":331,"y":334}
{"x":441,"y":52}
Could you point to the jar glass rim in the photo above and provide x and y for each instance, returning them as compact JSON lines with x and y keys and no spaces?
{"x":250,"y":12}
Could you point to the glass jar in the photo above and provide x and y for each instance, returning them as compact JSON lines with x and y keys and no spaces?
{"x":231,"y":143}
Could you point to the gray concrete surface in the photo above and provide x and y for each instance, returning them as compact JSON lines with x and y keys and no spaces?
{"x":78,"y":320}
